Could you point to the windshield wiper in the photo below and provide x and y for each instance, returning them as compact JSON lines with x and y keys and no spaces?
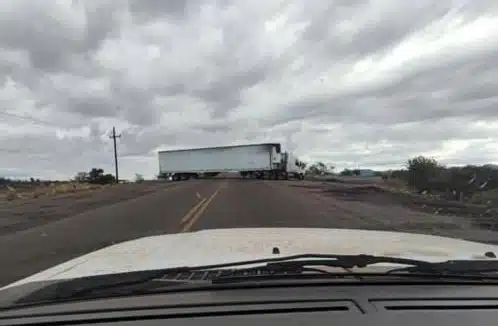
{"x":300,"y":264}
{"x":272,"y":268}
{"x":331,"y":260}
{"x":466,"y":267}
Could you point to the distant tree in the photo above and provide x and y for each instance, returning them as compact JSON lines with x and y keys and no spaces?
{"x":464,"y":182}
{"x":346,"y":172}
{"x":81,"y":177}
{"x":319,"y":168}
{"x":107,"y":179}
{"x":97,"y":176}
{"x":399,"y":174}
{"x":313,"y":169}
{"x":422,"y":171}
{"x":5,"y":181}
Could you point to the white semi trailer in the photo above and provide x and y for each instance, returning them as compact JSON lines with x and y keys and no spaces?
{"x":251,"y":161}
{"x":254,"y":159}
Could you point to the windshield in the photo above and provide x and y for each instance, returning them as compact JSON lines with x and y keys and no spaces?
{"x":146,"y":135}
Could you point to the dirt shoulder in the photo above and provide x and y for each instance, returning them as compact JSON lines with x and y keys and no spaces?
{"x":27,"y":211}
{"x":371,"y":206}
{"x":482,"y":216}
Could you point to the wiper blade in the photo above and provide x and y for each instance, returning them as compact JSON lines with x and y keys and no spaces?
{"x":93,"y":286}
{"x":453,"y":267}
{"x":299,"y":264}
{"x":293,"y":266}
{"x":343,"y":261}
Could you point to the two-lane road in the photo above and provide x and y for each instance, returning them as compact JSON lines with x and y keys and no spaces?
{"x":189,"y":206}
{"x":180,"y":207}
{"x":28,"y":251}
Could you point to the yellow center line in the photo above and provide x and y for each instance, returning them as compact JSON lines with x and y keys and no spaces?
{"x":199,"y":209}
{"x":192,"y":211}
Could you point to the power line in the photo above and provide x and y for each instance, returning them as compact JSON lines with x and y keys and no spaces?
{"x":28,"y":118}
{"x":22,"y":152}
{"x":38,"y":121}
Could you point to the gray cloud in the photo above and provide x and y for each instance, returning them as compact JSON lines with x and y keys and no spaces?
{"x":145,"y":9}
{"x":54,"y":34}
{"x":224,"y":95}
{"x":352,"y":83}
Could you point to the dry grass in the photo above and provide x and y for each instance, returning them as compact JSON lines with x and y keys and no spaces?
{"x":51,"y":190}
{"x":11,"y":194}
{"x":28,"y":208}
{"x":396,"y":185}
{"x":489,"y":197}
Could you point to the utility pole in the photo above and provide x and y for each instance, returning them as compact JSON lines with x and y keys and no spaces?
{"x":114,"y":136}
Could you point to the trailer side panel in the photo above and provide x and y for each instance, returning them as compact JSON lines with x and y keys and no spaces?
{"x":257,"y":157}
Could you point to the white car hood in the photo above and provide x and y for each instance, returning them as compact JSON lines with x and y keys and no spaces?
{"x":229,"y":245}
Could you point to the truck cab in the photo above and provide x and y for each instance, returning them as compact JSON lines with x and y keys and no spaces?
{"x":292,"y":167}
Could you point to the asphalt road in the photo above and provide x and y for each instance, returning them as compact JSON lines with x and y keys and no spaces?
{"x":181,"y":207}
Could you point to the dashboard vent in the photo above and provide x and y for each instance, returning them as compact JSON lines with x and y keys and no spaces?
{"x":291,"y":310}
{"x":451,"y":304}
{"x":209,"y":275}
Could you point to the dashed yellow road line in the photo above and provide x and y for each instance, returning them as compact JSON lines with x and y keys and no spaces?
{"x":198,"y":210}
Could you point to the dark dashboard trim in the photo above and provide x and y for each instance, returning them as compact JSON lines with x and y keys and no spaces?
{"x":340,"y":301}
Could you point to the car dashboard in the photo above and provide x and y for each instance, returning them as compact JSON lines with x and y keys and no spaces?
{"x":338,"y":304}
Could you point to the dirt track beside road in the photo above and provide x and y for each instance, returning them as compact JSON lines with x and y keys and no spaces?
{"x":401,"y":211}
{"x":24,"y":213}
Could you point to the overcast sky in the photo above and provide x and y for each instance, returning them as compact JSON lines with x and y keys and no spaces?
{"x":348,"y":82}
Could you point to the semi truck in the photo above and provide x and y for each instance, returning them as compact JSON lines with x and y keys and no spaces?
{"x":260,"y":161}
{"x":292,"y":167}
